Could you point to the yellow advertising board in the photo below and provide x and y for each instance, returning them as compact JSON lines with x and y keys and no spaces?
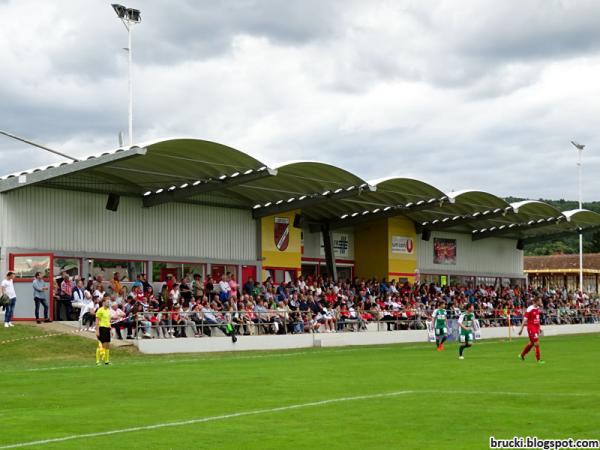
{"x":281,"y":242}
{"x":402,"y":252}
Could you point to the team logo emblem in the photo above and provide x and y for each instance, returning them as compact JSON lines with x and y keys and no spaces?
{"x":282,"y":233}
{"x":409,"y":245}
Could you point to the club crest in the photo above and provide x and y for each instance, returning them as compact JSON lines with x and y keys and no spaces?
{"x":282,"y":233}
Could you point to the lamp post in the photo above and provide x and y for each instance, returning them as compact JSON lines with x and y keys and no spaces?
{"x":580,"y":148}
{"x":129,"y":17}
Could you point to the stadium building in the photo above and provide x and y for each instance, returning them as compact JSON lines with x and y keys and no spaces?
{"x":185,"y":206}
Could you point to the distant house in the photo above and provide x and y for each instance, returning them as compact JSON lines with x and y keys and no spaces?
{"x":563,"y":270}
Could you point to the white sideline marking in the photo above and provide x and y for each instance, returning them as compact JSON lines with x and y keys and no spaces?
{"x":286,"y":408}
{"x":206,"y":419}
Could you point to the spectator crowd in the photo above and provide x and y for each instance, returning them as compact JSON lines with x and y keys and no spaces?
{"x":192,"y":306}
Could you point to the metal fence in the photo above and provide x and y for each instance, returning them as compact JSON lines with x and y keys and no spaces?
{"x":235,"y":323}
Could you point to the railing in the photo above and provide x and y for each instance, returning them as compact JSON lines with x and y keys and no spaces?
{"x":234,"y":323}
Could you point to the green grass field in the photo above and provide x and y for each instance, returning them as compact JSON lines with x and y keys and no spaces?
{"x":400,"y":396}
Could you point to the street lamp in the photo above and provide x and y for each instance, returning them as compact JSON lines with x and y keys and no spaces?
{"x":580,"y":148}
{"x":129,"y":17}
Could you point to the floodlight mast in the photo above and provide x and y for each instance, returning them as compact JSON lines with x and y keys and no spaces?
{"x":129,"y":17}
{"x":580,"y":148}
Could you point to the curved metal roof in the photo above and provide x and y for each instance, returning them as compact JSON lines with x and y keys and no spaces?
{"x":200,"y":171}
{"x":582,"y":217}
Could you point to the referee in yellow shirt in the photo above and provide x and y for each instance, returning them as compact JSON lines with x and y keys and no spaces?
{"x":103,"y":332}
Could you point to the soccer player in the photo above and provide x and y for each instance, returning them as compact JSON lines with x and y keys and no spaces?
{"x":532,"y":319}
{"x":103,"y":333}
{"x":440,"y":323}
{"x":465,"y":322}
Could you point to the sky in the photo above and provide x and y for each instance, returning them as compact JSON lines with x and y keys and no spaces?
{"x":462,"y":94}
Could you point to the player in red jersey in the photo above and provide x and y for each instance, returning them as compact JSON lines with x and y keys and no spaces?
{"x":532,"y":319}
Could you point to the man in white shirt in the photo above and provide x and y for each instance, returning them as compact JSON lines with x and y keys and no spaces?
{"x":7,"y":287}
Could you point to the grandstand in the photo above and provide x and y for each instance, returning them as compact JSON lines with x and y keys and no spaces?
{"x":185,"y":206}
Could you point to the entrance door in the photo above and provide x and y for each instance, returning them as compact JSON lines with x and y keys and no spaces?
{"x":25,"y":266}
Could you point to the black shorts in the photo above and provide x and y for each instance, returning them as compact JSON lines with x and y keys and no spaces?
{"x":104,"y":335}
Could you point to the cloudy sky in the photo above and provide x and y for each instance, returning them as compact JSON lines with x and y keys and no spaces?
{"x":481,"y":94}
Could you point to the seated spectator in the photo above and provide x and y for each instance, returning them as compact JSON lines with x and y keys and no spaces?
{"x":118,"y":320}
{"x":87,"y":313}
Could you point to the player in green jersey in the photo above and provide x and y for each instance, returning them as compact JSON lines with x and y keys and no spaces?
{"x":440,"y":324}
{"x":465,"y":322}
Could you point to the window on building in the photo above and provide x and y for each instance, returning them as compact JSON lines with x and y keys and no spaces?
{"x":344,"y":273}
{"x":178,"y":270}
{"x":218,"y":270}
{"x":26,"y":266}
{"x":279,"y":276}
{"x":70,"y":265}
{"x":488,"y":281}
{"x":128,"y":270}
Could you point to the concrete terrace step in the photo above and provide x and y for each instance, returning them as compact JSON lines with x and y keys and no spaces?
{"x":73,"y":328}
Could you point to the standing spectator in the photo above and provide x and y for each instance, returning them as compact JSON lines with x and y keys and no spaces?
{"x":175,"y":294}
{"x":66,"y":296}
{"x":115,"y":284}
{"x":224,"y":289}
{"x":197,"y":286}
{"x":170,"y":282}
{"x":145,"y":284}
{"x":39,"y":297}
{"x":138,"y":282}
{"x":233,"y":286}
{"x":248,"y":287}
{"x":8,"y":289}
{"x":186,"y":291}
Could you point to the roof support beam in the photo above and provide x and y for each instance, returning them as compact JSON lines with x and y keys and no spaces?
{"x":19,"y":181}
{"x":305,"y":201}
{"x":175,"y":193}
{"x":350,"y":220}
{"x":560,"y":235}
{"x":503,"y":230}
{"x":449,"y":222}
{"x":329,"y":252}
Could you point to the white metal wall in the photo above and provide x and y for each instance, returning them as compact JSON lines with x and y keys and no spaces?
{"x":491,"y":256}
{"x":58,"y":220}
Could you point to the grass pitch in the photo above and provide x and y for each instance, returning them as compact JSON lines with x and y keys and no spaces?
{"x":397,"y":396}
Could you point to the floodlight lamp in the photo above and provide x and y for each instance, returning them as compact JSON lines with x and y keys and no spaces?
{"x":134,"y":15}
{"x":577,"y":145}
{"x":120,"y":10}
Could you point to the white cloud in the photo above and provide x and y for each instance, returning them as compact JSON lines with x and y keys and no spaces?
{"x":467,"y":94}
